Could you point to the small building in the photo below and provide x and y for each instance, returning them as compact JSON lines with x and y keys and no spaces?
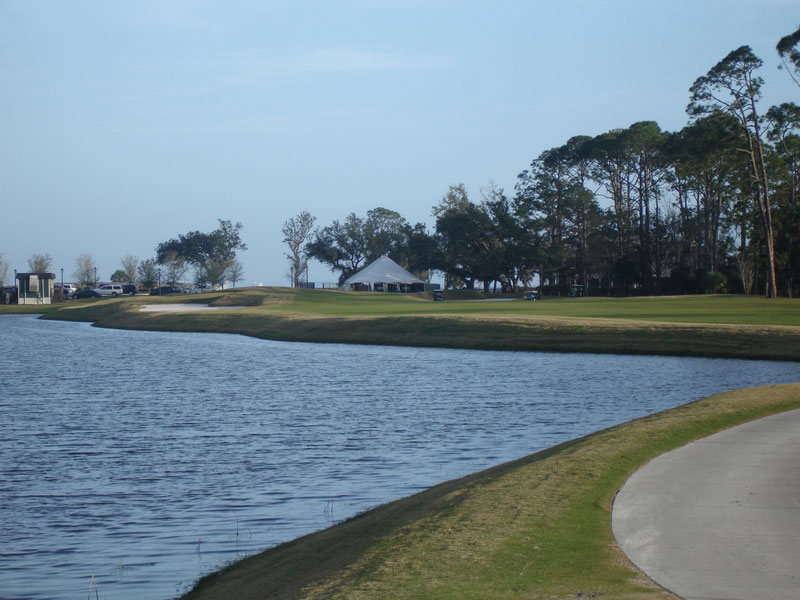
{"x":35,"y":288}
{"x":384,"y":275}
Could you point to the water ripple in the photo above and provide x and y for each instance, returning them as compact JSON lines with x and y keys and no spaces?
{"x":149,"y":459}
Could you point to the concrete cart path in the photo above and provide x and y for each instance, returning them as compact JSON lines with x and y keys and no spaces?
{"x":720,"y":517}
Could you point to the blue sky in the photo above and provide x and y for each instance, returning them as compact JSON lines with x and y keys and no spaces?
{"x":126,"y":123}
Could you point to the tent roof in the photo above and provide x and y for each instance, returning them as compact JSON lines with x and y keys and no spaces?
{"x":383,"y":270}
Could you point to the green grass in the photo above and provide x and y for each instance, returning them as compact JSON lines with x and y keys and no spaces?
{"x":733,"y":310}
{"x":538,"y":527}
{"x":714,"y":326}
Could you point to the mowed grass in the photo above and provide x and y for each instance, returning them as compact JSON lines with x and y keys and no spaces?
{"x":711,"y":309}
{"x":711,"y":326}
{"x":732,"y":310}
{"x":538,"y":527}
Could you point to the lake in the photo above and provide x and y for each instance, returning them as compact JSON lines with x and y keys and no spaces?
{"x":135,"y":462}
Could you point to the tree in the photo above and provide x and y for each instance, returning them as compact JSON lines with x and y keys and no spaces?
{"x":385,"y":233}
{"x":421,"y":251}
{"x":147,"y":273}
{"x":234,"y":272}
{"x":784,"y":132}
{"x":789,"y":52}
{"x":340,"y":246}
{"x":705,"y":169}
{"x":455,"y":199}
{"x":213,"y":273}
{"x":119,"y":276}
{"x":129,"y":267}
{"x":4,"y":266}
{"x":466,"y":246}
{"x":85,"y":270}
{"x":559,"y":213}
{"x":733,"y":87}
{"x":209,"y":253}
{"x":510,"y":248}
{"x":175,"y":268}
{"x":296,"y":233}
{"x":612,"y":168}
{"x":40,"y":263}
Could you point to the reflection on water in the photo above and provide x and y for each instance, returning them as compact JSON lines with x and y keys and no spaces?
{"x":146,"y":460}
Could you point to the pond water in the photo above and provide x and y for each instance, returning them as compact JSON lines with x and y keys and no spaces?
{"x":132,"y":463}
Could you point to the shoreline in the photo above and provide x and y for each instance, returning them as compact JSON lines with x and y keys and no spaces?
{"x":538,"y":526}
{"x":465,"y":330}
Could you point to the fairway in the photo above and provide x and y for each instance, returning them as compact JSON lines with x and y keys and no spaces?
{"x":732,"y":310}
{"x":711,"y":309}
{"x":712,"y":326}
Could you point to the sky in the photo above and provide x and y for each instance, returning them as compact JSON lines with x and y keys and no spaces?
{"x":124,"y":124}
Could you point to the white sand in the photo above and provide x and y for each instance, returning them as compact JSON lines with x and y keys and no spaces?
{"x":172,"y":308}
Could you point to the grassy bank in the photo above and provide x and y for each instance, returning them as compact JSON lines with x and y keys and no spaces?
{"x":714,"y":326}
{"x":539,"y":527}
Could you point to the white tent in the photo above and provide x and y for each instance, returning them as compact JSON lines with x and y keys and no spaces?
{"x":380,"y":275}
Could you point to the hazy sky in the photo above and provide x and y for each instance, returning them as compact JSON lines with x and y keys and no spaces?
{"x":126,"y":123}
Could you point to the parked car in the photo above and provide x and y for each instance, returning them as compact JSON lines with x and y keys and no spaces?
{"x":130,"y":288}
{"x":86,"y":293}
{"x":8,"y":295}
{"x":67,"y":290}
{"x":110,"y":289}
{"x":165,"y":289}
{"x":203,"y":288}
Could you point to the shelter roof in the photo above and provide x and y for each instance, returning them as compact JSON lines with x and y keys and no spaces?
{"x":383,"y":270}
{"x":39,"y":275}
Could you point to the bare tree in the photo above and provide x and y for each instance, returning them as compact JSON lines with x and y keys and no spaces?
{"x":40,"y":263}
{"x":175,"y":266}
{"x":129,"y":266}
{"x":746,"y":266}
{"x":212,"y":273}
{"x":85,"y":270}
{"x":234,"y":272}
{"x":4,"y":266}
{"x":296,"y":232}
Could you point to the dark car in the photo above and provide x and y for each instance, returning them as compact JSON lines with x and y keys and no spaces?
{"x":165,"y":289}
{"x":86,"y":293}
{"x":130,"y":288}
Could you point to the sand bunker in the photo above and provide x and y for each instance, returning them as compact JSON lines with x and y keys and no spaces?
{"x":171,"y":308}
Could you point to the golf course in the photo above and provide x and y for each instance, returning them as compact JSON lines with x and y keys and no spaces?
{"x":711,"y":326}
{"x":537,"y":527}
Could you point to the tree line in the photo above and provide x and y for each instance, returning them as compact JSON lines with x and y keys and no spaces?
{"x":710,"y":208}
{"x":211,"y":256}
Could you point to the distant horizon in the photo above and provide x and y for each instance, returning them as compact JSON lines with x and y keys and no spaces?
{"x":125,"y":124}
